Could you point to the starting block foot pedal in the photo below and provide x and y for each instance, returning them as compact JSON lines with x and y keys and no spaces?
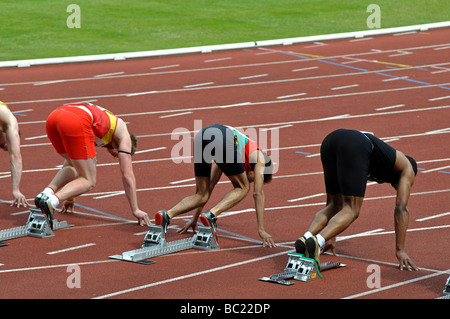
{"x":155,"y":245}
{"x":3,"y":244}
{"x":154,"y":237}
{"x":446,"y":290}
{"x":300,"y":268}
{"x":36,"y":226}
{"x":205,"y":239}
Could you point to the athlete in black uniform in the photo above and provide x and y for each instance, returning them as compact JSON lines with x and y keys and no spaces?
{"x":349,"y":159}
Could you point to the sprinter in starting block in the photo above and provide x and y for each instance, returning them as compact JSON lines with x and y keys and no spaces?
{"x":349,"y":159}
{"x":223,"y":149}
{"x":75,"y":130}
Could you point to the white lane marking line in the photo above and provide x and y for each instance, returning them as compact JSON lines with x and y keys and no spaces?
{"x":70,"y":249}
{"x":432,"y":217}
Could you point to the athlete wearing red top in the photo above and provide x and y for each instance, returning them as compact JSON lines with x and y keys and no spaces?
{"x":223,"y":149}
{"x":75,"y":130}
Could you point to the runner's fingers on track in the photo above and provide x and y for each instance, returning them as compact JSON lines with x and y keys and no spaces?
{"x":143,"y":218}
{"x":405,"y":262}
{"x":188,"y":225}
{"x":68,"y":207}
{"x":20,"y":200}
{"x":267,"y":240}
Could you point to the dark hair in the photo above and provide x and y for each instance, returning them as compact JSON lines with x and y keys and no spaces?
{"x":133,"y":143}
{"x":413,"y":163}
{"x":268,"y":169}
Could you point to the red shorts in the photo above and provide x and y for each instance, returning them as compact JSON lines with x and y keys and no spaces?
{"x":70,"y":131}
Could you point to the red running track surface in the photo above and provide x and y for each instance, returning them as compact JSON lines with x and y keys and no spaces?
{"x":395,"y":86}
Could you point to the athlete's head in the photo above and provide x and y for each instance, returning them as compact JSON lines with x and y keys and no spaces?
{"x":414,"y":167}
{"x":268,"y":170}
{"x":133,"y":143}
{"x":413,"y":163}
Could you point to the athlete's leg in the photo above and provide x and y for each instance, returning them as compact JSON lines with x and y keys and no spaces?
{"x":351,"y":206}
{"x":65,"y":175}
{"x":322,"y":217}
{"x":84,"y":181}
{"x":200,"y":197}
{"x":241,"y":186}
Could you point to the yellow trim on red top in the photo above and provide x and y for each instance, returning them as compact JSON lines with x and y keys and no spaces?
{"x":112,"y":128}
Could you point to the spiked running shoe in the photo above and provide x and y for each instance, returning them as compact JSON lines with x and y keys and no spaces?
{"x":209,"y":220}
{"x":313,"y":249}
{"x":37,"y":199}
{"x":300,"y":246}
{"x":47,"y":209}
{"x":163,"y":220}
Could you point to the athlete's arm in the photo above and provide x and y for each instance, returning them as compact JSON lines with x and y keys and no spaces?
{"x":259,"y":199}
{"x":11,"y":129}
{"x":122,"y":138}
{"x":401,"y":212}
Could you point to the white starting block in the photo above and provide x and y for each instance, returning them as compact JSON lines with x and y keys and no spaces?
{"x":36,"y":226}
{"x":446,"y":290}
{"x":300,"y":268}
{"x":156,"y":245}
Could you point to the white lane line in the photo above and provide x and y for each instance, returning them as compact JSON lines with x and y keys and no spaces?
{"x":395,"y":79}
{"x":176,"y":114}
{"x":291,"y":95}
{"x":182,"y":181}
{"x":108,"y":74}
{"x":151,"y":150}
{"x":345,"y":87}
{"x":306,"y":197}
{"x":389,"y":107}
{"x":35,"y":137}
{"x":198,"y":85}
{"x":439,"y":98}
{"x":70,"y":249}
{"x":305,"y":69}
{"x":217,"y":60}
{"x":253,"y":76}
{"x":164,"y":67}
{"x":435,"y":169}
{"x":432,"y":217}
{"x":439,"y":273}
{"x":196,"y":274}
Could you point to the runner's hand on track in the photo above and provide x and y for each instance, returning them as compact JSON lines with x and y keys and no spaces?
{"x":192,"y":223}
{"x":405,"y":261}
{"x":142,"y":218}
{"x":68,"y":206}
{"x":266,"y":239}
{"x":19,"y":199}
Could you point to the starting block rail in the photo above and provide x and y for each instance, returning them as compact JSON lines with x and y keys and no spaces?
{"x":300,"y":268}
{"x":36,"y":226}
{"x":155,"y":245}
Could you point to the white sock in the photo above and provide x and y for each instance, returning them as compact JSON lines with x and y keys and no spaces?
{"x":308,"y":234}
{"x":48,"y":191}
{"x":320,"y":240}
{"x":54,"y":200}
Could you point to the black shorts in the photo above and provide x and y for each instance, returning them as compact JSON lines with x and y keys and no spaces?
{"x":216,"y":143}
{"x":345,"y":156}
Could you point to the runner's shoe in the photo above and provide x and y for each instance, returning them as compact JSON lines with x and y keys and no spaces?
{"x":163,"y":220}
{"x":38,"y":198}
{"x":313,"y":249}
{"x":209,"y":220}
{"x":300,"y":246}
{"x":47,"y":209}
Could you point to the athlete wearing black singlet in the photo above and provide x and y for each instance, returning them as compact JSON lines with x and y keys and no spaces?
{"x":350,"y":158}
